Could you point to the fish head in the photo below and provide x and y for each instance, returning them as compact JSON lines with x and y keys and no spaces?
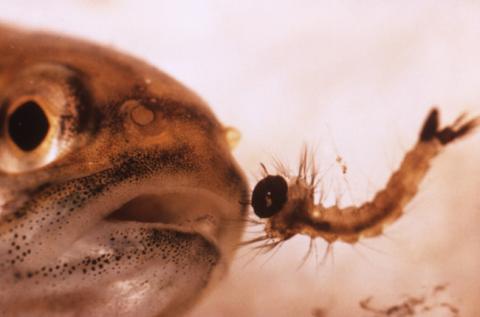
{"x":119,"y":194}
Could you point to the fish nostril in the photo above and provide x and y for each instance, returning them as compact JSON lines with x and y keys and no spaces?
{"x":142,"y":115}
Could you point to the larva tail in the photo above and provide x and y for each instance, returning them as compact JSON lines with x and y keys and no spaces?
{"x":458,"y":129}
{"x":351,"y":223}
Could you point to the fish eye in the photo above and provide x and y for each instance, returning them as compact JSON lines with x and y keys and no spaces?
{"x":269,"y":196}
{"x":28,"y":126}
{"x":29,"y":133}
{"x":42,"y":116}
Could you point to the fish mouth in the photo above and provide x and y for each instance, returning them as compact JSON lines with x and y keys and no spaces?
{"x":186,"y":216}
{"x":152,"y":247}
{"x":185,"y":209}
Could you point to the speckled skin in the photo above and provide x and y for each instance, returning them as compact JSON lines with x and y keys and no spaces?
{"x":61,"y":252}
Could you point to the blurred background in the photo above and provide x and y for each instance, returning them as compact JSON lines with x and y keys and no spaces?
{"x":351,"y":79}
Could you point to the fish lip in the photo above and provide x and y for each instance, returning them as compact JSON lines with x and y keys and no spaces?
{"x":92,"y":240}
{"x":183,"y":287}
{"x":163,"y":212}
{"x":205,"y":227}
{"x":72,"y":223}
{"x":217,"y":215}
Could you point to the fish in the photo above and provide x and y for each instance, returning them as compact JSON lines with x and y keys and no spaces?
{"x":119,"y":192}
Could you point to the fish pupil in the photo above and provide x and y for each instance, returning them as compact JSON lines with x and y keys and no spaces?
{"x":28,"y":126}
{"x":269,"y":196}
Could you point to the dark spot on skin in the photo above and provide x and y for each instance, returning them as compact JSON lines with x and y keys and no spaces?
{"x":19,"y":214}
{"x":155,"y":235}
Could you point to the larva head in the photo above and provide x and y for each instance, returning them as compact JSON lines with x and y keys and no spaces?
{"x":269,"y":196}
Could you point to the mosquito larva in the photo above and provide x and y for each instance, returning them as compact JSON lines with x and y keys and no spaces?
{"x":287,"y":205}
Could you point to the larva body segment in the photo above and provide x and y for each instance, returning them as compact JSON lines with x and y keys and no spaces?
{"x":350,"y":223}
{"x":300,"y":214}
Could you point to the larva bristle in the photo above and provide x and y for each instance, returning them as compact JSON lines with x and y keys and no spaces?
{"x":264,"y":170}
{"x":281,"y":168}
{"x":254,"y":240}
{"x":307,"y":254}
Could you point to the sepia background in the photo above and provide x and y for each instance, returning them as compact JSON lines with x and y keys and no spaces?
{"x":351,"y":79}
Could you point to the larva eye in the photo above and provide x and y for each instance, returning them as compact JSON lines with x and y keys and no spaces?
{"x":269,"y":196}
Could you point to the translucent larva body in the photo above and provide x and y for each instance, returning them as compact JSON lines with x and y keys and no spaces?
{"x":294,"y":210}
